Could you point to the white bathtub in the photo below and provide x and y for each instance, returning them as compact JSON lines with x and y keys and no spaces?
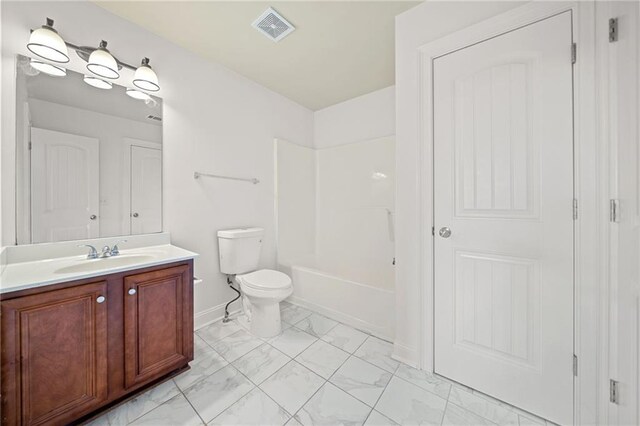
{"x":359,"y":305}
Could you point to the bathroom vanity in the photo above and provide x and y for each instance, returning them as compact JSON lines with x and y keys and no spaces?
{"x":80,"y":335}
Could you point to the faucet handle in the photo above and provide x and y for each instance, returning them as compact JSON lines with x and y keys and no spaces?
{"x":115,"y":250}
{"x":93,"y":253}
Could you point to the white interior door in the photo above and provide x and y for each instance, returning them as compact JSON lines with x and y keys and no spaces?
{"x":146,"y":190}
{"x":64,"y":186}
{"x":503,"y":176}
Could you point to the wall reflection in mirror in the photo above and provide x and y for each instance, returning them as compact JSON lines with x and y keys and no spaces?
{"x":89,"y":160}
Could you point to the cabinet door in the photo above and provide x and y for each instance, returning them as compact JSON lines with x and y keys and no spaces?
{"x":54,"y":355}
{"x":158,"y":323}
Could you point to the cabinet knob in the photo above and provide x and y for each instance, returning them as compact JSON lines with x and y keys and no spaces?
{"x":135,"y":215}
{"x":132,"y":291}
{"x":101,"y":299}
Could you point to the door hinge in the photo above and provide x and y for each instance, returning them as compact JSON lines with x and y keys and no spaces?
{"x":574,"y":53}
{"x":614,"y":211}
{"x":575,"y":209}
{"x":433,"y":231}
{"x":29,"y":146}
{"x":575,"y":365}
{"x":614,"y":395}
{"x":613,"y":30}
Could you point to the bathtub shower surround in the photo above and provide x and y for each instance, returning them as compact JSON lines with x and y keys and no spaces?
{"x":341,"y":254}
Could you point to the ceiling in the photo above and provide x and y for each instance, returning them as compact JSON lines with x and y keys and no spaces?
{"x":339,"y":50}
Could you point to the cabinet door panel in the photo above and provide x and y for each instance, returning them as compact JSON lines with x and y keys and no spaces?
{"x":54,"y":355}
{"x":158,"y":330}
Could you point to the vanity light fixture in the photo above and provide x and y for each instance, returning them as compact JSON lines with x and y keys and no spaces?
{"x":136,"y":94}
{"x":47,"y":43}
{"x":47,"y":68}
{"x":145,"y":78}
{"x":101,"y":62}
{"x":97,"y":82}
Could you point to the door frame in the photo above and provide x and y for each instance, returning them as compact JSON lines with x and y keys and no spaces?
{"x":588,"y":176}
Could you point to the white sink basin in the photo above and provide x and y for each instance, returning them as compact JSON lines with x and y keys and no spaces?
{"x":89,"y":265}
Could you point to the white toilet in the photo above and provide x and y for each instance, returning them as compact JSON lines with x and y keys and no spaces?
{"x":263,"y":289}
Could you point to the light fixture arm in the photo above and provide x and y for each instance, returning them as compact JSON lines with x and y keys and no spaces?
{"x":85,"y":51}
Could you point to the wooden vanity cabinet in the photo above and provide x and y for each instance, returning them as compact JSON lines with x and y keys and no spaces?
{"x":54,"y":355}
{"x":70,"y":349}
{"x":155,"y":320}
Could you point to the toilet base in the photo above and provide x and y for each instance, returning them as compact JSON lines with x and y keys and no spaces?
{"x":265,"y":319}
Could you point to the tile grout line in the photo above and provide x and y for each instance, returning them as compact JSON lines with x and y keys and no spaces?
{"x":381,"y":393}
{"x":154,"y":408}
{"x":189,"y":402}
{"x":444,"y":412}
{"x":327,"y":380}
{"x":254,"y":388}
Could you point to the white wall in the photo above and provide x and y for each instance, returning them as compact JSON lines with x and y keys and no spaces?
{"x":295,"y":203}
{"x":366,"y":117}
{"x":214,"y":121}
{"x":414,"y":28}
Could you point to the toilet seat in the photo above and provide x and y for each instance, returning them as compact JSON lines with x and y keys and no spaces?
{"x":266,"y":280}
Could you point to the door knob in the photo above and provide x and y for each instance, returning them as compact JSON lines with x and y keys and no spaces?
{"x":132,"y":291}
{"x":444,"y":232}
{"x":93,"y":217}
{"x":101,"y":299}
{"x":135,"y":215}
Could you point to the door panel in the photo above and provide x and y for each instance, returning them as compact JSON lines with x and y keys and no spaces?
{"x":503,"y":174}
{"x":158,"y":323}
{"x":55,"y":355}
{"x":64,"y":186}
{"x":146,"y":190}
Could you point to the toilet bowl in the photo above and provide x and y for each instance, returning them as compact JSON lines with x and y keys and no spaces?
{"x":262,"y":292}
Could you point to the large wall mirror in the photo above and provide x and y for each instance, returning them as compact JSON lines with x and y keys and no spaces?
{"x":88,"y":160}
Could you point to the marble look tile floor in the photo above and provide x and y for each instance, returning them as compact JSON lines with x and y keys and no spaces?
{"x":317,"y":372}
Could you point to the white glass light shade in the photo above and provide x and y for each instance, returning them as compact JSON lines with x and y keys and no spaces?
{"x":97,"y":82}
{"x":136,"y":94}
{"x":101,"y":63}
{"x":46,"y":43}
{"x":145,"y":78}
{"x":49,"y":69}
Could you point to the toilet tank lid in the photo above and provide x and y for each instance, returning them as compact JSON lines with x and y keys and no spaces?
{"x":241,"y":233}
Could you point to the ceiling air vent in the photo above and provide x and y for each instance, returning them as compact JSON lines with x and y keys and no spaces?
{"x":273,"y":25}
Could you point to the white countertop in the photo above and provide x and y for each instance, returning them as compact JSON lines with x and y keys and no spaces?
{"x":38,"y":273}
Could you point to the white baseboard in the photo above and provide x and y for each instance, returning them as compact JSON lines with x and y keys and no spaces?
{"x":343,"y":318}
{"x":211,"y":315}
{"x":406,"y":355}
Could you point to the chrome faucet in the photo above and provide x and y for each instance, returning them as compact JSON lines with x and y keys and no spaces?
{"x":115,"y":250}
{"x":106,"y":250}
{"x":93,"y":253}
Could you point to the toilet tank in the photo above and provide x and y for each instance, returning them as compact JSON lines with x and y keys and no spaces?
{"x":239,"y":250}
